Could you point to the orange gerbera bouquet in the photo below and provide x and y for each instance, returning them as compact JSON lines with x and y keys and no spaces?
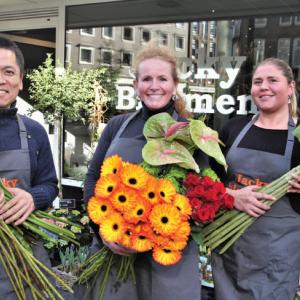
{"x":138,"y":211}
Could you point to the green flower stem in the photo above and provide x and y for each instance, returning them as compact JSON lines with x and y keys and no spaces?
{"x":43,"y":214}
{"x":104,"y":280}
{"x":38,"y":231}
{"x":231,"y":225}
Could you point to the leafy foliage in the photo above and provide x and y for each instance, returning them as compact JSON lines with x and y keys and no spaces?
{"x":69,"y":94}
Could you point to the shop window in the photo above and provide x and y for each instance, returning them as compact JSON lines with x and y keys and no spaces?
{"x":163,"y":39}
{"x":283,"y":49}
{"x":285,"y":21}
{"x":179,"y":43}
{"x":108,"y":32}
{"x":86,"y":55}
{"x":260,"y":22}
{"x":106,"y":56}
{"x":296,"y":53}
{"x":128,"y":33}
{"x":68,"y":53}
{"x":146,"y":35}
{"x":87,"y":31}
{"x":195,"y":46}
{"x":127,"y":58}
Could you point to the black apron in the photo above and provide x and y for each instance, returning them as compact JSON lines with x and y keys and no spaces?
{"x":15,"y":167}
{"x":153,"y":281}
{"x":264,"y":263}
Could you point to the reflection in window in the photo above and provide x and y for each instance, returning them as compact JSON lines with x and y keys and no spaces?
{"x":106,"y":56}
{"x":296,"y":53}
{"x":127,"y":59}
{"x":195,"y":27}
{"x":283,"y":49}
{"x":285,"y":21}
{"x":128,"y":34}
{"x":259,"y":50}
{"x":86,"y":55}
{"x":195,"y":47}
{"x":260,"y":22}
{"x":107,"y":32}
{"x":179,"y":43}
{"x":87,"y":31}
{"x":163,"y":39}
{"x":297,"y":20}
{"x":146,"y":35}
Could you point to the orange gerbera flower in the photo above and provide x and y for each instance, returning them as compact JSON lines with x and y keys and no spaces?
{"x":166,"y":257}
{"x":176,"y":244}
{"x":126,"y":240}
{"x":112,"y":228}
{"x":106,"y":185}
{"x":166,"y":190}
{"x":141,"y":243}
{"x":139,"y":213}
{"x":123,"y":199}
{"x":183,"y":204}
{"x":150,"y":191}
{"x":111,"y":165}
{"x":165,"y":219}
{"x":98,"y":209}
{"x":134,"y":176}
{"x":183,"y":231}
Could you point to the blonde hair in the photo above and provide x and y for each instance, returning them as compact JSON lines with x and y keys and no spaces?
{"x":152,"y":50}
{"x":288,"y":74}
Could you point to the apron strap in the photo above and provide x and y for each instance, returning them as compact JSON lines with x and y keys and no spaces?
{"x":22,"y":133}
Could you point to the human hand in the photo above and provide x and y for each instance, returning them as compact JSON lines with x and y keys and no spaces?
{"x":295,"y":184}
{"x":248,"y":200}
{"x":118,"y":249}
{"x":18,"y":209}
{"x":2,"y":201}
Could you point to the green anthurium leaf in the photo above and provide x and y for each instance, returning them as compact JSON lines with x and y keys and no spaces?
{"x":159,"y":152}
{"x":207,"y":140}
{"x":296,"y":133}
{"x":157,"y":125}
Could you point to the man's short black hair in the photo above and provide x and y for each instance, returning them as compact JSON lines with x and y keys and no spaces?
{"x":12,"y":46}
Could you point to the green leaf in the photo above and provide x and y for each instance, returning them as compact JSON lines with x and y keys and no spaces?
{"x":207,"y":140}
{"x":159,"y":152}
{"x":296,"y":132}
{"x":157,"y":125}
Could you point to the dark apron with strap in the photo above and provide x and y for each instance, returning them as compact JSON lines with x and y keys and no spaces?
{"x":15,"y":169}
{"x":264,"y":263}
{"x":153,"y":281}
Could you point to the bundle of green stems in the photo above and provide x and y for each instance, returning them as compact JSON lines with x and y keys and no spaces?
{"x":230,"y":225}
{"x":16,"y":256}
{"x":100,"y":264}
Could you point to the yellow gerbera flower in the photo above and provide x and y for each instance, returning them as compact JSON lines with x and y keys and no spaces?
{"x":139,"y":213}
{"x":98,"y":209}
{"x":150,"y":191}
{"x":111,"y":165}
{"x":141,"y":243}
{"x":113,"y":228}
{"x":166,"y":257}
{"x":183,"y":204}
{"x":183,"y":231}
{"x":166,"y":190}
{"x":123,"y":199}
{"x":106,"y":185}
{"x":165,"y":219}
{"x":134,"y":176}
{"x":159,"y":240}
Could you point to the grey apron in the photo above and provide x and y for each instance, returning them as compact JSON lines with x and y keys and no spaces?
{"x":15,"y":167}
{"x":264,"y":263}
{"x":153,"y":281}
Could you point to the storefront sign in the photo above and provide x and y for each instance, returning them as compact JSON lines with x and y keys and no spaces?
{"x":201,"y":99}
